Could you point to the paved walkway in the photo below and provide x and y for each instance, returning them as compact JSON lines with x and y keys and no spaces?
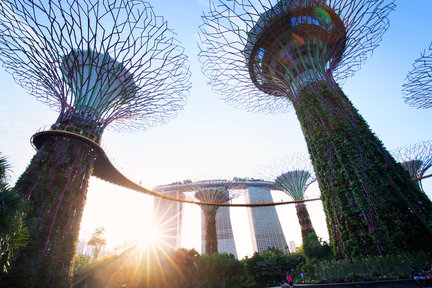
{"x":372,"y":284}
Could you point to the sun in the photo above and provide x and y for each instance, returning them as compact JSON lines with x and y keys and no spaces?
{"x":148,"y":237}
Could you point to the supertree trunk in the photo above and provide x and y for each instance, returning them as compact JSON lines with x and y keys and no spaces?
{"x":371,"y":204}
{"x":211,"y":244}
{"x":213,"y":191}
{"x":54,"y":186}
{"x":304,"y":220}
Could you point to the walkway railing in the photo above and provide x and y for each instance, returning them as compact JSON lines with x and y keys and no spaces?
{"x":105,"y":170}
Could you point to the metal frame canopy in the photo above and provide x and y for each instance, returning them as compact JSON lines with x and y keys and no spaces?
{"x":69,"y":53}
{"x":418,"y":83}
{"x":96,"y":81}
{"x":298,"y":42}
{"x":279,"y":46}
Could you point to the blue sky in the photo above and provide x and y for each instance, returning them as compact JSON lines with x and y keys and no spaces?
{"x":210,"y":140}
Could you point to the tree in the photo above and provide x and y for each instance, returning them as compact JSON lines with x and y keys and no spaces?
{"x":13,"y":232}
{"x":314,"y":247}
{"x":80,"y":262}
{"x":183,"y":268}
{"x":267,"y":268}
{"x":219,"y":270}
{"x":97,"y":241}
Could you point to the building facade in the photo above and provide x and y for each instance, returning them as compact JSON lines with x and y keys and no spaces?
{"x":265,"y":227}
{"x":168,"y":216}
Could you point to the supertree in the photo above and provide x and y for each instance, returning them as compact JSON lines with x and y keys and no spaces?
{"x":418,"y":83}
{"x":99,"y":63}
{"x":213,"y":191}
{"x":293,"y":175}
{"x":416,"y":159}
{"x":273,"y":55}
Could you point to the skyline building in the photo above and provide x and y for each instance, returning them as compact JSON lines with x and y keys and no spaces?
{"x":292,"y":246}
{"x":265,"y":228}
{"x":169,"y":215}
{"x":263,"y":222}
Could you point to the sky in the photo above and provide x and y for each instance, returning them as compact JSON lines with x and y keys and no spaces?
{"x":211,"y":140}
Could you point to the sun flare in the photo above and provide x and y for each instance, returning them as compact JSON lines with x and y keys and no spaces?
{"x":148,"y":237}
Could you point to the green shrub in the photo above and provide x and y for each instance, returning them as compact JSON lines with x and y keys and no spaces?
{"x":361,"y":269}
{"x":315,"y":247}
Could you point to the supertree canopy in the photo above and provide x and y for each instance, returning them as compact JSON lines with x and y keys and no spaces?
{"x":273,"y":55}
{"x":294,"y":174}
{"x":416,"y":159}
{"x":418,"y":83}
{"x":99,"y":63}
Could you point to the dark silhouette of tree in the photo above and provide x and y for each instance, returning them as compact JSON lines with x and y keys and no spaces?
{"x":13,"y":232}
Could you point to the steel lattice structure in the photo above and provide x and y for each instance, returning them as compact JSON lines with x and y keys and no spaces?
{"x":294,"y":174}
{"x":418,"y":83}
{"x":99,"y":63}
{"x":416,"y":159}
{"x":273,"y":55}
{"x":46,"y":46}
{"x":240,"y":43}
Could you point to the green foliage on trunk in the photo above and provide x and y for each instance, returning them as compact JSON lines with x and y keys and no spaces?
{"x":54,"y":187}
{"x":304,"y":220}
{"x":211,"y":244}
{"x":372,"y":206}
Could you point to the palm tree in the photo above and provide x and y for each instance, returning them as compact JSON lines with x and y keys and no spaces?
{"x":97,"y":241}
{"x":13,"y":233}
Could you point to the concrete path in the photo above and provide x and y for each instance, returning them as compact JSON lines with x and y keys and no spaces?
{"x":371,"y":284}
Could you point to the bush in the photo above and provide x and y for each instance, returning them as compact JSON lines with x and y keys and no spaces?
{"x":80,"y":262}
{"x":314,"y":247}
{"x":268,"y":267}
{"x":361,"y":269}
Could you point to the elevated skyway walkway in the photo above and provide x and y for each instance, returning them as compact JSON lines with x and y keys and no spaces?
{"x":105,"y":170}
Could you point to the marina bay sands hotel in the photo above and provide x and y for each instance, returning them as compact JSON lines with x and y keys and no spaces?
{"x":264,"y":224}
